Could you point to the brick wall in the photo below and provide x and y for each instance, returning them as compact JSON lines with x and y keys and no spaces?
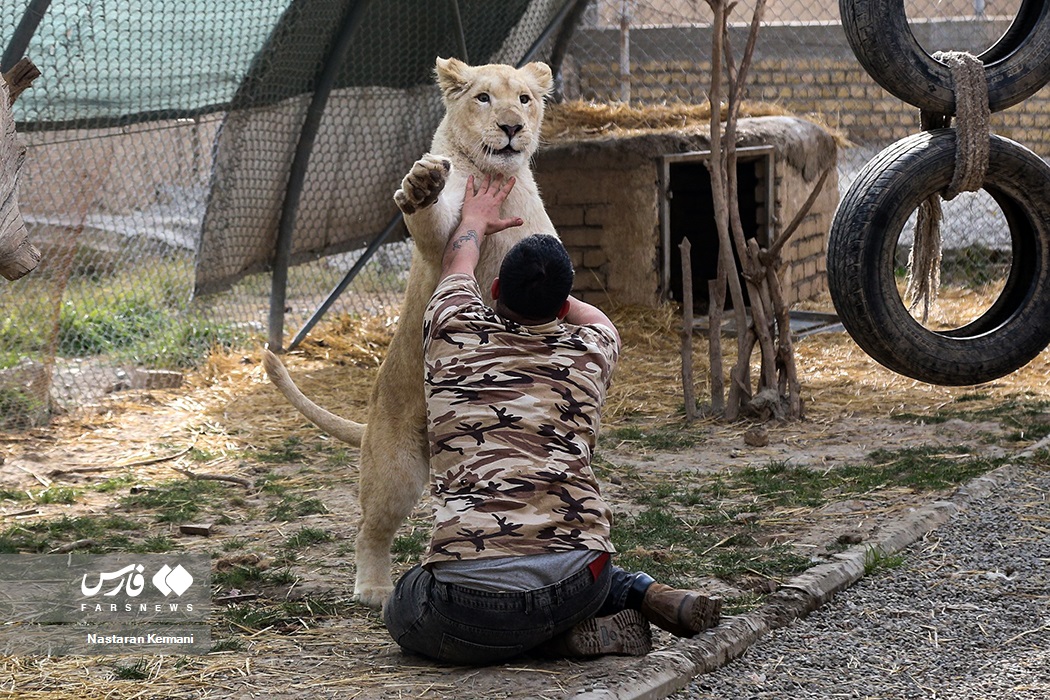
{"x":808,"y":70}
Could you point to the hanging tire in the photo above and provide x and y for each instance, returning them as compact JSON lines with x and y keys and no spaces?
{"x":861,"y":263}
{"x":1016,"y":66}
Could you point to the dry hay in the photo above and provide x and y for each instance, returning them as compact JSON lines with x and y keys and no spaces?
{"x":230,"y":405}
{"x":575,"y":119}
{"x":337,"y":365}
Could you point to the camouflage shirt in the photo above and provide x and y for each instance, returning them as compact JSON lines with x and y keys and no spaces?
{"x":513,"y":413}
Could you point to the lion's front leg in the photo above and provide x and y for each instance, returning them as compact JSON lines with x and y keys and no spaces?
{"x":422,"y":185}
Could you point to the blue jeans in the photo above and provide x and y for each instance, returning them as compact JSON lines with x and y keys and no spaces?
{"x":459,"y":625}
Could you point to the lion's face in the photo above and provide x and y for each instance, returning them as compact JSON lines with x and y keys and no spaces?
{"x":494,"y":112}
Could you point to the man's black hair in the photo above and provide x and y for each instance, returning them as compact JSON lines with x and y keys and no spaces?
{"x":536,"y":277}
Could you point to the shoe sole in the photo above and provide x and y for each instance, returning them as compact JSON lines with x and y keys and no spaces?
{"x":704,"y":614}
{"x":626,"y":633}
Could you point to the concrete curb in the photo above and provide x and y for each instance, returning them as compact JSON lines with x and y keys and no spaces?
{"x":668,"y":671}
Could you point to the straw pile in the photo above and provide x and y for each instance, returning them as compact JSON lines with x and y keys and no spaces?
{"x":337,"y":366}
{"x":576,"y":119}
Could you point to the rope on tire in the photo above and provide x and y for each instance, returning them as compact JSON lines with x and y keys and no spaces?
{"x":972,"y":145}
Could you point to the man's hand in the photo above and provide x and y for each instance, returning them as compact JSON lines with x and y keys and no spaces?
{"x":480,"y":217}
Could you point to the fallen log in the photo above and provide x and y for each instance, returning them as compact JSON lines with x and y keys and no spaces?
{"x":17,"y":255}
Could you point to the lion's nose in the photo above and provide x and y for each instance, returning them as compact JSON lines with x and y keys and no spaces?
{"x":510,"y":129}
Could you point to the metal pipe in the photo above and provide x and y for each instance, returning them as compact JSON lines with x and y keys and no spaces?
{"x":16,"y":48}
{"x":297,"y":173}
{"x":359,"y":265}
{"x":531,"y":52}
{"x":461,"y":37}
{"x":561,"y":46}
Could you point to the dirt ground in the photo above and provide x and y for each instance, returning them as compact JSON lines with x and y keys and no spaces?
{"x":228,"y":421}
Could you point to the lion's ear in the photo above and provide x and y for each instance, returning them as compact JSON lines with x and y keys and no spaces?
{"x":540,"y":73}
{"x":452,"y":76}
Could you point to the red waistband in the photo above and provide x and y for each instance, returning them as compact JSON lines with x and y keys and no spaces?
{"x":598,"y":564}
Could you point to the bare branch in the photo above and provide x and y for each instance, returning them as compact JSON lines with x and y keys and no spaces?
{"x":214,"y":477}
{"x":771,"y":254}
{"x":20,"y":77}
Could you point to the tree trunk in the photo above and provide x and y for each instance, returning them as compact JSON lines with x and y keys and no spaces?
{"x":769,"y":327}
{"x":17,"y":255}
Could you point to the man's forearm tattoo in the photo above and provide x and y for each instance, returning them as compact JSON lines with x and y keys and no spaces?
{"x":460,"y":241}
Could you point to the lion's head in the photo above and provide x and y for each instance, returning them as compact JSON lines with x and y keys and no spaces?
{"x":493,"y":112}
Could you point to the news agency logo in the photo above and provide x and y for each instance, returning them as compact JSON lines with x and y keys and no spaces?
{"x":131,"y":581}
{"x":119,"y":603}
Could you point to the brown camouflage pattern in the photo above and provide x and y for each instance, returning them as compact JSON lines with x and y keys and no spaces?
{"x":513,"y":414}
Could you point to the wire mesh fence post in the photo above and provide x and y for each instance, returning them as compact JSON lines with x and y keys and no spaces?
{"x":297,"y":175}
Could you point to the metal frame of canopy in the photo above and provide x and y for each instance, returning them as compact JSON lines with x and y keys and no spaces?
{"x":566,"y":20}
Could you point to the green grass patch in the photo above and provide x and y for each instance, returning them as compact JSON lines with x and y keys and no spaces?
{"x":293,"y":506}
{"x":132,"y":315}
{"x":115,"y":483}
{"x":877,"y":560}
{"x":20,"y":408}
{"x":676,"y":548}
{"x":108,"y":533}
{"x":286,"y":616}
{"x":65,"y":495}
{"x":179,"y":501}
{"x":9,"y":495}
{"x":136,"y":671}
{"x":157,"y":544}
{"x":226,"y":644}
{"x":669,"y":438}
{"x":409,"y":548}
{"x":238,"y":575}
{"x":291,"y":450}
{"x":307,"y":537}
{"x":1025,"y":419}
{"x":234,"y":543}
{"x":700,"y":525}
{"x":921,"y":469}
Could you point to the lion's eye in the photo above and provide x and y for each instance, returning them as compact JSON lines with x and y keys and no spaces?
{"x":482,"y":97}
{"x":525,"y":99}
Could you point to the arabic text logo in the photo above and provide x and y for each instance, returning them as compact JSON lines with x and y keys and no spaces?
{"x":133,"y":583}
{"x":130,"y":579}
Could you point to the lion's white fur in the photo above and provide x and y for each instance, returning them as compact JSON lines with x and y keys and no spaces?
{"x":483,"y":105}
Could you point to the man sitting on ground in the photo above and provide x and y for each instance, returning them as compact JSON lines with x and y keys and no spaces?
{"x":519,"y":558}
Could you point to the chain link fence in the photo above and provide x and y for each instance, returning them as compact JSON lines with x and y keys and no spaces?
{"x":658,"y":51}
{"x":163,"y":136}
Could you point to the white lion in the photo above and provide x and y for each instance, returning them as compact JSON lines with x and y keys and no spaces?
{"x":491,"y":126}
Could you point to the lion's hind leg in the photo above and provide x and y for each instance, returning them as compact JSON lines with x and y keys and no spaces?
{"x":395,"y":469}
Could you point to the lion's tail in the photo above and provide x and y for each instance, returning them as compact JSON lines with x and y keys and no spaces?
{"x":339,"y":428}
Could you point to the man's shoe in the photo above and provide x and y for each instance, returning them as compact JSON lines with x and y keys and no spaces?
{"x":626,"y":633}
{"x":682,"y":613}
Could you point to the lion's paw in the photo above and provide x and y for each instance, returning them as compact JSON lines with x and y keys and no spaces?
{"x":374,"y":597}
{"x":423,"y":184}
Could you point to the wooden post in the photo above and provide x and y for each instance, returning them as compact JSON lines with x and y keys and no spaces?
{"x":687,"y":331}
{"x":625,"y":52}
{"x":17,"y":255}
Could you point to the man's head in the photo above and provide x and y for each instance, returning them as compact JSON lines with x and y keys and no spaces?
{"x":534,"y":280}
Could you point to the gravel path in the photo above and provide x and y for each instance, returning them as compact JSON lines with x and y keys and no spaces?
{"x":965,"y":614}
